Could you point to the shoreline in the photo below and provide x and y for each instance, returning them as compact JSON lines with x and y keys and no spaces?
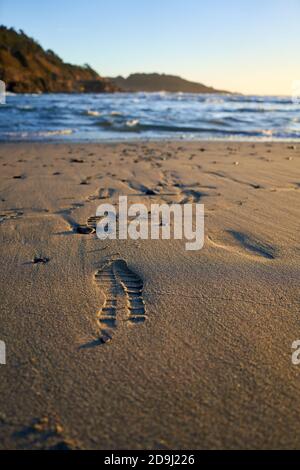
{"x":143,"y":140}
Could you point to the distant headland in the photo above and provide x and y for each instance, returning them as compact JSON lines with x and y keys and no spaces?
{"x":26,"y":67}
{"x":155,"y":82}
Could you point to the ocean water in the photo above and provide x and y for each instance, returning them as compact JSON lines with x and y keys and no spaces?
{"x":124,"y":116}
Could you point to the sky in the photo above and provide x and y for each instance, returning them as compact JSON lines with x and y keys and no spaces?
{"x":248,"y":46}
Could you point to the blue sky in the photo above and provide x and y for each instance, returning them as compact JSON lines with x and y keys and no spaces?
{"x":251,"y":46}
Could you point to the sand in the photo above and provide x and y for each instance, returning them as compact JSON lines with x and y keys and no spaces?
{"x":210,"y":367}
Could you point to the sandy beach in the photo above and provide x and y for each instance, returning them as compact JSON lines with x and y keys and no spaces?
{"x":210,"y":367}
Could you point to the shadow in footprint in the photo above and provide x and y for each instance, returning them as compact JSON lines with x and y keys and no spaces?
{"x":192,"y":196}
{"x":243,"y":244}
{"x":91,"y":344}
{"x":255,"y":246}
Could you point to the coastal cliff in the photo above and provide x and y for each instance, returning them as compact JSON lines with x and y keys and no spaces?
{"x":26,"y":67}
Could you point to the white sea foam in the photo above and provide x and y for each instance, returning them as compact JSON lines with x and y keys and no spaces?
{"x":132,"y":122}
{"x":90,"y":112}
{"x":57,"y":132}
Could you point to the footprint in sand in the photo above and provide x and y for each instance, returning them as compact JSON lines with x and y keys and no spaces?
{"x":10,"y":215}
{"x":90,"y":226}
{"x":123,"y":292}
{"x":103,"y":193}
{"x":142,"y":189}
{"x":93,"y":221}
{"x":242,"y":243}
{"x":191,"y":196}
{"x":44,"y":434}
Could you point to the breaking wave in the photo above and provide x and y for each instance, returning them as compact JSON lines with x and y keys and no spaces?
{"x":96,"y":117}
